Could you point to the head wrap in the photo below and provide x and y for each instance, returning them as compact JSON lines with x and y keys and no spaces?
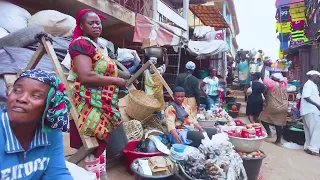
{"x":55,"y":114}
{"x":77,"y":31}
{"x":190,"y":65}
{"x":313,"y":72}
{"x":278,"y":76}
{"x":178,"y":89}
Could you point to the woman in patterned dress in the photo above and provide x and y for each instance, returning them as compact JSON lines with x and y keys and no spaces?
{"x":96,"y":84}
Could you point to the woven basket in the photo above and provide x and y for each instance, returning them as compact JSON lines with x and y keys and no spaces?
{"x":133,"y":130}
{"x":140,"y":106}
{"x":153,"y":122}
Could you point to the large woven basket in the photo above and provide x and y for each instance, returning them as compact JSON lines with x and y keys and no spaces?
{"x":140,"y":106}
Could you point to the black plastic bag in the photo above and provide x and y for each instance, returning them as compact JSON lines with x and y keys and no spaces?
{"x":146,"y":146}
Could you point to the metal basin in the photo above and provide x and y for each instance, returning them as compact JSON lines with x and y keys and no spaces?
{"x":153,"y":52}
{"x":247,"y":145}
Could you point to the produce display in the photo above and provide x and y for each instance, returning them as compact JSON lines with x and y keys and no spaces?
{"x":256,"y":154}
{"x":214,"y":114}
{"x":214,"y":159}
{"x":247,"y":131}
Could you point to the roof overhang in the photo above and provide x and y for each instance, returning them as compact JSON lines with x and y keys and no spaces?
{"x":209,"y":15}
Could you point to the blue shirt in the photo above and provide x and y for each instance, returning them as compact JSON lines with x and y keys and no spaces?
{"x":44,"y":158}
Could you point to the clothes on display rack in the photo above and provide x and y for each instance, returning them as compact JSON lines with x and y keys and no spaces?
{"x":283,"y":27}
{"x":297,"y":25}
{"x":283,"y":14}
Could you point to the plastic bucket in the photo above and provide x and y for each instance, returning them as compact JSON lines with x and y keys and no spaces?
{"x":117,"y":142}
{"x":230,"y":99}
{"x":253,"y":166}
{"x":230,"y":104}
{"x":130,"y":154}
{"x":139,"y":176}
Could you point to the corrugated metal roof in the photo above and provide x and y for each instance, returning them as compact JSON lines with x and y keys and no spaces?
{"x":209,"y":15}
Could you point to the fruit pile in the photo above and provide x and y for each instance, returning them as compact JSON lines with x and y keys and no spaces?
{"x":248,"y":131}
{"x":279,"y":65}
{"x":256,"y":154}
{"x":230,"y":93}
{"x":234,"y":108}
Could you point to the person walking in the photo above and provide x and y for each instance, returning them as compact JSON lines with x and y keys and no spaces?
{"x":210,"y":87}
{"x":191,"y":86}
{"x":275,"y":111}
{"x":310,"y":112}
{"x":255,"y":99}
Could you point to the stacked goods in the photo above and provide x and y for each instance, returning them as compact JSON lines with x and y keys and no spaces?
{"x":250,"y":131}
{"x":281,"y":65}
{"x":255,"y":154}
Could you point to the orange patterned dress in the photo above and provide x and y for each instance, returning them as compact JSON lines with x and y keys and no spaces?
{"x":97,"y":107}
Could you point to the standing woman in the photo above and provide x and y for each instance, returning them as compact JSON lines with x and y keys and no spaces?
{"x":210,"y":87}
{"x":244,"y":78}
{"x":275,"y":111}
{"x":255,"y":100}
{"x":96,"y":85}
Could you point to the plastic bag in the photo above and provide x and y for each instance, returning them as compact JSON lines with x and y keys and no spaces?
{"x":147,"y":146}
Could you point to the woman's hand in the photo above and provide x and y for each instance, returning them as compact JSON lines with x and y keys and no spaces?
{"x":120,"y":82}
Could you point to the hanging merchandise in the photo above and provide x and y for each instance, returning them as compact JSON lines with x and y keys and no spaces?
{"x":283,"y":14}
{"x":297,"y":25}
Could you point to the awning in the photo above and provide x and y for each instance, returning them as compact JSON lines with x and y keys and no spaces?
{"x":209,"y":15}
{"x":158,"y":33}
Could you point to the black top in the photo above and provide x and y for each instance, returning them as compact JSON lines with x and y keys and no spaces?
{"x":255,"y":101}
{"x":190,"y":84}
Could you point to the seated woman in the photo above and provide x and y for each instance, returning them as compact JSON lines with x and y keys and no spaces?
{"x":183,"y":127}
{"x":31,"y":139}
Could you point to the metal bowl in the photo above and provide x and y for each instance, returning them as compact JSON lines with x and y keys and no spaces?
{"x":153,"y":52}
{"x":247,"y":145}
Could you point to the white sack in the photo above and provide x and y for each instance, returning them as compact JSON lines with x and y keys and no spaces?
{"x":54,"y":22}
{"x":3,"y":32}
{"x":79,"y":173}
{"x":13,"y":18}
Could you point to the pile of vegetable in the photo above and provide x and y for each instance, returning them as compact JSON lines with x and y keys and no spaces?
{"x":256,"y":154}
{"x":247,"y":131}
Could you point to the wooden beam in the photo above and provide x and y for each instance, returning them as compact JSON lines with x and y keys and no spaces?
{"x":138,"y":73}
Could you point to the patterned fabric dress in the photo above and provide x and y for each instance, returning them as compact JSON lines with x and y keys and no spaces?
{"x":97,"y":107}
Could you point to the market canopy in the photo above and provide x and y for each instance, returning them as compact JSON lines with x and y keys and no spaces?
{"x":209,"y":15}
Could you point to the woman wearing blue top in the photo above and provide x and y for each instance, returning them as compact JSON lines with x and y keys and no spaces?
{"x":210,"y":87}
{"x":31,"y":144}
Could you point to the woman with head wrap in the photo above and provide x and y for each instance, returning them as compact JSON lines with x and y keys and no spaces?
{"x":275,"y":111}
{"x":31,"y":140}
{"x":310,"y":112}
{"x":96,"y":85}
{"x":182,"y":125}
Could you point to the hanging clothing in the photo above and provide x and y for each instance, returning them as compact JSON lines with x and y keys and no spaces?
{"x":244,"y":77}
{"x":153,"y":85}
{"x":283,"y":14}
{"x":275,"y":111}
{"x":283,"y":27}
{"x":298,"y":25}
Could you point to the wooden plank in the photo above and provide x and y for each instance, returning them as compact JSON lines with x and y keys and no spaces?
{"x":138,"y":73}
{"x":89,"y":143}
{"x":162,"y":80}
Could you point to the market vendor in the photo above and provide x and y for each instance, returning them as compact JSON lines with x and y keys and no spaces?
{"x":191,"y":86}
{"x":96,"y":86}
{"x":31,"y":139}
{"x":182,"y":126}
{"x":152,"y":84}
{"x":275,"y":111}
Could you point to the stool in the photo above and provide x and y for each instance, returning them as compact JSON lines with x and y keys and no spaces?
{"x":291,"y":96}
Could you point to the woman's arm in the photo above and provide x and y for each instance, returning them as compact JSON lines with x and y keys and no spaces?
{"x":170,"y":115}
{"x":83,"y":68}
{"x":263,"y":71}
{"x":57,"y":166}
{"x":202,"y":88}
